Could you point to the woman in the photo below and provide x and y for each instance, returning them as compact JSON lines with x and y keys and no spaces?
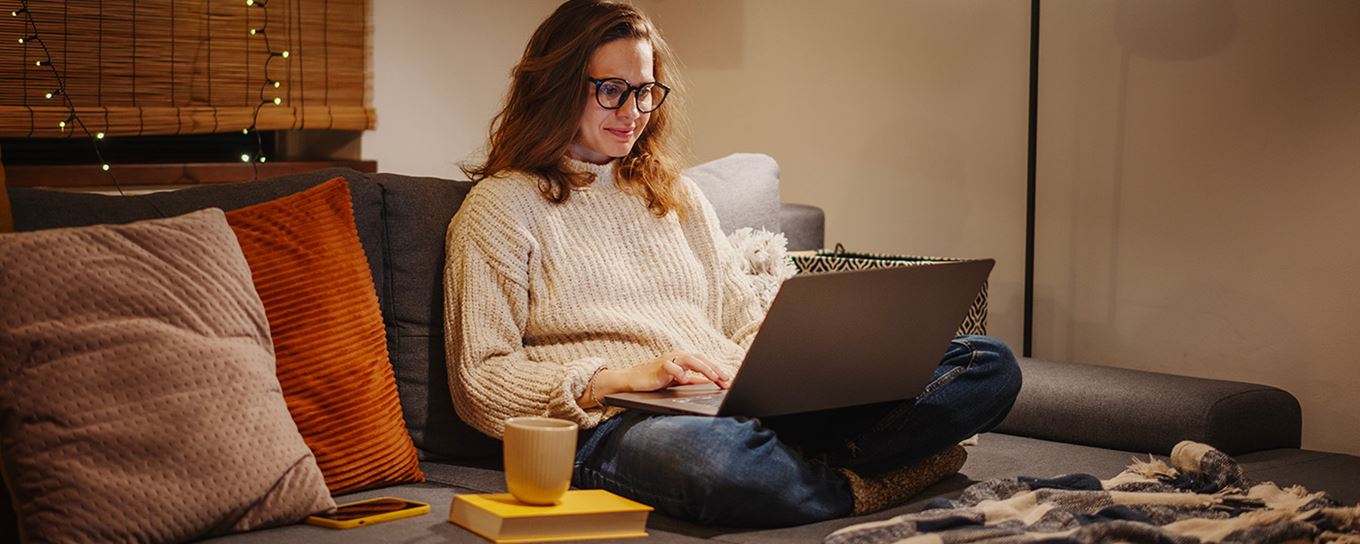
{"x":582,"y":264}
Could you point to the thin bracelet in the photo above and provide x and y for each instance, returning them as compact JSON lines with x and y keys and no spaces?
{"x":590,"y":386}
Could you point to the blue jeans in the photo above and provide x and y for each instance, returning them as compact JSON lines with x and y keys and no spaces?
{"x":782,"y":471}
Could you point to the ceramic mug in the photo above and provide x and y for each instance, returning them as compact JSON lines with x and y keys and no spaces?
{"x":539,"y":455}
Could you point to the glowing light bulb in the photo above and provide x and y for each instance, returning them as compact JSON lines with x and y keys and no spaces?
{"x":285,"y":54}
{"x":245,"y":157}
{"x":250,"y":2}
{"x":253,"y":32}
{"x":276,"y":84}
{"x":245,"y":131}
{"x":106,"y":168}
{"x":278,"y":100}
{"x":261,"y":158}
{"x":99,"y":135}
{"x":38,"y":63}
{"x":49,"y":95}
{"x":62,"y":125}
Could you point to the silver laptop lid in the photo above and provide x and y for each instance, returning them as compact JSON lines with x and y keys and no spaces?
{"x":850,"y":338}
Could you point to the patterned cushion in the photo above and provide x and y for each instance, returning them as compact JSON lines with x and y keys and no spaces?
{"x":975,"y":322}
{"x":318,"y":292}
{"x":138,"y":400}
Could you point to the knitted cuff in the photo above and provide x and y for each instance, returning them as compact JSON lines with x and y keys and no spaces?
{"x":574,"y":381}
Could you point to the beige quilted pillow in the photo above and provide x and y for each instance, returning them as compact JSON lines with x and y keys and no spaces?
{"x":138,"y":400}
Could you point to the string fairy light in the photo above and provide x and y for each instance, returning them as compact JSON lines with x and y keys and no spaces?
{"x":72,"y":117}
{"x":266,"y":84}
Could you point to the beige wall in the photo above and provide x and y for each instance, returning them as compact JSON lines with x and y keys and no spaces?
{"x":440,"y":70}
{"x":904,"y":120}
{"x":1198,"y":177}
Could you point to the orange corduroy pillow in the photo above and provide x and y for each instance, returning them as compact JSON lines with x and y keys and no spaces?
{"x":318,"y":293}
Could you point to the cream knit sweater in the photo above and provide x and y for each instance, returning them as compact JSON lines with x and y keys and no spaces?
{"x":538,"y":296}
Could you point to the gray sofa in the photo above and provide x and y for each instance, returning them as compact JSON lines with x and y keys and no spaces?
{"x":1068,"y":418}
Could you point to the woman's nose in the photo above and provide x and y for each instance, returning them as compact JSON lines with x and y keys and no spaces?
{"x":629,"y":109}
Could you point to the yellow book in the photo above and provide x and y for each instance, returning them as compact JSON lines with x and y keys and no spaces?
{"x":586,"y":514}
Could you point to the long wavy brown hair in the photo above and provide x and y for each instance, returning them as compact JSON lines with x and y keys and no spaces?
{"x":547,"y":97}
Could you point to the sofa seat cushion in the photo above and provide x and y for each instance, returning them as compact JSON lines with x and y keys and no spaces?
{"x":138,"y":399}
{"x":996,"y":456}
{"x":431,"y":528}
{"x":1336,"y":473}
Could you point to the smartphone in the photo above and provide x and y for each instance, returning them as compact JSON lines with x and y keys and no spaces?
{"x":368,"y":512}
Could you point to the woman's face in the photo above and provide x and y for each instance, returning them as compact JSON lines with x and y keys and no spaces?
{"x":608,"y":134}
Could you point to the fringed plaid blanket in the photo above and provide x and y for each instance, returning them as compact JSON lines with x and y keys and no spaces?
{"x":1203,"y":496}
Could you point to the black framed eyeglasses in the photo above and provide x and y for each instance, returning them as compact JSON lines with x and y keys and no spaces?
{"x":612,"y":93}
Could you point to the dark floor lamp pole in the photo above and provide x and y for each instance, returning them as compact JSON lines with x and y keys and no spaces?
{"x":1028,"y":349}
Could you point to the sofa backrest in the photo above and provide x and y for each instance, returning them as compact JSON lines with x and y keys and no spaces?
{"x":402,"y":222}
{"x":416,"y":215}
{"x":36,"y":209}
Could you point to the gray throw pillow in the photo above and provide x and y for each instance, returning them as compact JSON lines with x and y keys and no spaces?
{"x":743,"y":188}
{"x":138,"y":400}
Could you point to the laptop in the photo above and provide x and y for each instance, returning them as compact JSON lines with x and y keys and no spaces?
{"x":837,"y":339}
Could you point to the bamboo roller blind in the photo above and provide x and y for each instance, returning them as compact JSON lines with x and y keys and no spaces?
{"x":155,"y":67}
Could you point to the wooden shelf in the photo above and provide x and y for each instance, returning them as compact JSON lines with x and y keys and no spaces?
{"x":142,"y":175}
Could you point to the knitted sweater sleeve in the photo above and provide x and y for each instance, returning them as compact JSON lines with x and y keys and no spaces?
{"x":486,"y":308}
{"x":741,"y":309}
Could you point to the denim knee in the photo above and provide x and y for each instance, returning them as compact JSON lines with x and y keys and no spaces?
{"x":996,"y":365}
{"x":749,"y":477}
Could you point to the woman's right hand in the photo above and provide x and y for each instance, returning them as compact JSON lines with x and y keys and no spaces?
{"x":674,"y":368}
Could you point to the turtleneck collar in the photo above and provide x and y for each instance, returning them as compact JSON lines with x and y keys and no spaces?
{"x":604,"y":173}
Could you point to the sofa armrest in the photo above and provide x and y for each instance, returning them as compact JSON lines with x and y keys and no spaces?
{"x":803,"y":225}
{"x":1147,"y":412}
